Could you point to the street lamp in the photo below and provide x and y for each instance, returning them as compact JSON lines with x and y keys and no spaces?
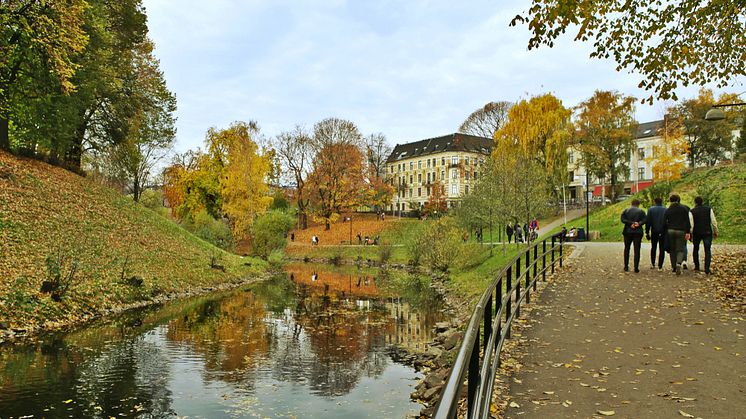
{"x":717,"y":114}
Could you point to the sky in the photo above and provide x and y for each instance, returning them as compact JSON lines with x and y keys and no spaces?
{"x":408,"y":69}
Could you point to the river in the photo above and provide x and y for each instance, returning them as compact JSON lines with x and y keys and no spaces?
{"x":313,"y":342}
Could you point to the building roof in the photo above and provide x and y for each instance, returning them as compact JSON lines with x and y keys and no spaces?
{"x":649,"y":129}
{"x":450,"y":142}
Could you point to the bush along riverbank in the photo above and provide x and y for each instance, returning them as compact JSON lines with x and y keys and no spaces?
{"x":73,"y":250}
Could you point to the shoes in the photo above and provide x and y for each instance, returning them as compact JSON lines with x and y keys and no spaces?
{"x":626,"y":269}
{"x":678,"y":269}
{"x":683,"y":265}
{"x":707,"y":271}
{"x":637,"y":270}
{"x":652,"y":266}
{"x":660,"y":268}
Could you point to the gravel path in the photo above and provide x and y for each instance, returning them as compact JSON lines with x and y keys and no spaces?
{"x":602,"y":342}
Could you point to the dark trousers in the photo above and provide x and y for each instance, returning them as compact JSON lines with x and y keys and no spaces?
{"x":676,"y":244}
{"x":509,"y":236}
{"x":636,"y":240}
{"x":657,"y":245}
{"x":707,"y":242}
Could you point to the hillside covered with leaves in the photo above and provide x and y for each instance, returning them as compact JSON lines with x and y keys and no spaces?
{"x":92,"y":249}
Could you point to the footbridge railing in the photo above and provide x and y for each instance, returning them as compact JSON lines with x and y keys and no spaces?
{"x":491,"y":323}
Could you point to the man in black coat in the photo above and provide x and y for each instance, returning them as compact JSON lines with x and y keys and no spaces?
{"x":656,"y":233}
{"x":704,"y":230}
{"x":633,"y":219}
{"x":678,"y":222}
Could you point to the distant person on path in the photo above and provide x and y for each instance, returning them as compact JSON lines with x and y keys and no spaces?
{"x":292,"y":237}
{"x":359,"y":238}
{"x":518,"y":233}
{"x":678,"y":222}
{"x":704,"y":230}
{"x":633,"y":219}
{"x":509,"y":232}
{"x":525,"y":232}
{"x":656,"y":233}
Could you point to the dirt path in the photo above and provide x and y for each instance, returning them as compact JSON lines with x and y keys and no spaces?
{"x":647,"y":345}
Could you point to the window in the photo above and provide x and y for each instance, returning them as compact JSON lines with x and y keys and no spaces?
{"x":570,"y":158}
{"x":434,"y":161}
{"x":454,"y":174}
{"x":454,"y":189}
{"x":466,"y":175}
{"x":428,"y":178}
{"x":419,"y":191}
{"x":428,"y":163}
{"x":411,"y":165}
{"x":428,"y":191}
{"x":475,"y":176}
{"x":442,"y":175}
{"x":466,"y":189}
{"x":571,"y":176}
{"x":410,"y":193}
{"x":411,"y":178}
{"x":640,"y":173}
{"x":419,"y":177}
{"x":419,"y":164}
{"x":466,"y":161}
{"x":454,"y":160}
{"x":641,"y":153}
{"x":443,"y":161}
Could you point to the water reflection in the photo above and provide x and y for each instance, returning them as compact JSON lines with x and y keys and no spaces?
{"x":308,"y":347}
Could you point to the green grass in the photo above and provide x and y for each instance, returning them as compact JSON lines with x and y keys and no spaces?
{"x":49,"y":212}
{"x":731,"y":213}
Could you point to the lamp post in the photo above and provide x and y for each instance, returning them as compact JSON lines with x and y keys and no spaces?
{"x":350,"y":230}
{"x":588,"y":195}
{"x":717,"y":114}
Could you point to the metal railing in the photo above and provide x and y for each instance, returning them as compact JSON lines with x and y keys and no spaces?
{"x":481,"y":368}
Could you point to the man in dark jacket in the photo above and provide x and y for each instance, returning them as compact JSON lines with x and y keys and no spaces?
{"x":704,"y":230}
{"x":633,"y":219}
{"x":655,"y":232}
{"x":678,"y":222}
{"x":509,"y":231}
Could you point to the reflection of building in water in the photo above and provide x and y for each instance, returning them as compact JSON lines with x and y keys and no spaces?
{"x":410,"y":329}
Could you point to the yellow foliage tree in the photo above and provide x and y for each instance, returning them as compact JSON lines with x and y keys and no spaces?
{"x":669,"y":156}
{"x":243,"y":175}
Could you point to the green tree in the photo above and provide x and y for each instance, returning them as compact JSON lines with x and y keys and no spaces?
{"x":605,"y":135}
{"x":708,"y":141}
{"x":269,"y":232}
{"x":672,"y":43}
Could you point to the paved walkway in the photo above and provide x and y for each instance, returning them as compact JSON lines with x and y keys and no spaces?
{"x":647,"y":345}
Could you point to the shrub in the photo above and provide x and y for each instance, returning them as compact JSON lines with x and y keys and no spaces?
{"x":711,"y":194}
{"x":152,"y":199}
{"x":276,"y":258}
{"x":384,"y":252}
{"x":269,"y":232}
{"x":211,"y":230}
{"x":438,"y":245}
{"x":660,"y":190}
{"x":279,"y":202}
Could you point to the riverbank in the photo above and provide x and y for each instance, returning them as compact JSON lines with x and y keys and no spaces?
{"x":73,"y":250}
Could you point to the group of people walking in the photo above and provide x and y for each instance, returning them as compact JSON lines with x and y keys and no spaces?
{"x":529,"y":232}
{"x":669,"y":229}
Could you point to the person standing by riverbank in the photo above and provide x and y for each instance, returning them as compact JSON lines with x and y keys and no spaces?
{"x":678,"y":222}
{"x":705,"y":229}
{"x":655,"y":232}
{"x":633,"y":219}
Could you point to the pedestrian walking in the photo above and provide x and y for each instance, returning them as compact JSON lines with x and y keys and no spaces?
{"x":509,"y":232}
{"x":704,"y":230}
{"x":655,"y":232}
{"x":678,"y":223}
{"x":518,"y":233}
{"x":359,"y":238}
{"x":292,"y":237}
{"x":633,"y":219}
{"x":525,"y":231}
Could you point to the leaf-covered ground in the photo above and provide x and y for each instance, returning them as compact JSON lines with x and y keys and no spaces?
{"x":729,"y":277}
{"x":47,"y":211}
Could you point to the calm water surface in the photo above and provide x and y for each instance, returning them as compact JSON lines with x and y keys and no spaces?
{"x":315,"y":343}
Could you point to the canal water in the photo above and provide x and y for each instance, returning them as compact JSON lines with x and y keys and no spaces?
{"x":314,"y":343}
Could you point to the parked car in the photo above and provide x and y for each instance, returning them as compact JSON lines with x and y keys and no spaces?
{"x":621,"y":198}
{"x":598,"y":199}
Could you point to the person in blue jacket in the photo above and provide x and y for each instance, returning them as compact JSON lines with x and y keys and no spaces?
{"x":655,"y":231}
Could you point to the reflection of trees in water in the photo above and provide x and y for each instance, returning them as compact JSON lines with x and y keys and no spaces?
{"x":127,"y":377}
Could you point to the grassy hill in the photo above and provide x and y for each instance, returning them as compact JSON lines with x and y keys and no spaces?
{"x":48,"y":215}
{"x":731,"y":212}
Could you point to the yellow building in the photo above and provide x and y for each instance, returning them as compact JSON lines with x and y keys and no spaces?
{"x":454,"y":160}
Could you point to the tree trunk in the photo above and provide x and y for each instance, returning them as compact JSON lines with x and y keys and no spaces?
{"x":136,"y":189}
{"x":4,"y":134}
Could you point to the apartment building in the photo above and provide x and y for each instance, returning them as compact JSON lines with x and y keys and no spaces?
{"x":454,"y":160}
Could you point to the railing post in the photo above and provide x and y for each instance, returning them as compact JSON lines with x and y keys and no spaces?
{"x":507,"y":303}
{"x":518,"y":286}
{"x":498,"y":305}
{"x":487,"y":322}
{"x":544,"y":260}
{"x":561,"y":251}
{"x":552,"y":254}
{"x":536,"y":265}
{"x":473,"y":381}
{"x":528,"y":276}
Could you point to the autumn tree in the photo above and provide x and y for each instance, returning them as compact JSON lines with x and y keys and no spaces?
{"x":337,"y":179}
{"x":242,"y":170}
{"x":487,"y":120}
{"x":336,"y":131}
{"x":605,"y":135}
{"x":669,"y":155}
{"x":539,"y":129}
{"x":295,"y":149}
{"x":437,"y":202}
{"x":377,"y":151}
{"x":670,"y":44}
{"x":708,"y":141}
{"x":38,"y":45}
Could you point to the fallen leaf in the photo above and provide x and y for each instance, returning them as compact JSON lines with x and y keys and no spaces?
{"x":606,"y":412}
{"x":684,"y":414}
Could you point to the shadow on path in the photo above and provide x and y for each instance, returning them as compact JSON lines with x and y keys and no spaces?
{"x":647,"y":345}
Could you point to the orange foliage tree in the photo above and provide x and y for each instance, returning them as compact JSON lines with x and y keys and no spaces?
{"x":337,"y":180}
{"x":437,"y":202}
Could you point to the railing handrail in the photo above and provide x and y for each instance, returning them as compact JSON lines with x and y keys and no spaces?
{"x":468,"y":360}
